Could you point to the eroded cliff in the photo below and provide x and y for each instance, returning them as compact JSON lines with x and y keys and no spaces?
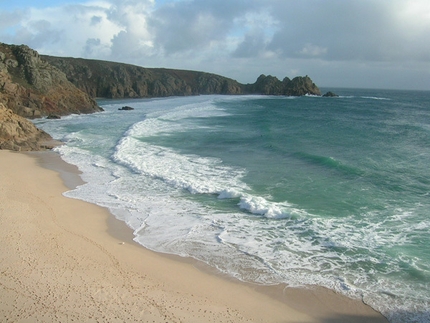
{"x":117,"y":80}
{"x":31,"y":87}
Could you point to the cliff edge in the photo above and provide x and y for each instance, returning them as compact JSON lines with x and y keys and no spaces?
{"x":32,"y":88}
{"x":117,"y":80}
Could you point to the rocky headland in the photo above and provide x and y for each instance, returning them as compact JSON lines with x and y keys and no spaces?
{"x":117,"y":80}
{"x":34,"y":86}
{"x":270,"y":85}
{"x":31,"y":87}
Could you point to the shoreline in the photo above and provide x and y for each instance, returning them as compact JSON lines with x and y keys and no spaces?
{"x":82,"y":264}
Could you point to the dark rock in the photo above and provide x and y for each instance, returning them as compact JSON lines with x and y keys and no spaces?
{"x":53,"y":116}
{"x":301,"y":85}
{"x":330,"y":95}
{"x":126,"y":108}
{"x":268,"y":85}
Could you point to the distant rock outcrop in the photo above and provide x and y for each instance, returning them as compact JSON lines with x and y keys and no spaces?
{"x":18,"y":133}
{"x":330,"y":94}
{"x":32,"y":88}
{"x":117,"y":80}
{"x":270,"y":85}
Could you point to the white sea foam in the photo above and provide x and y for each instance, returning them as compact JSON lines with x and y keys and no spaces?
{"x":375,"y":98}
{"x":259,"y":205}
{"x":229,"y":193}
{"x":196,"y":174}
{"x":364,"y":97}
{"x":146,"y":185}
{"x":193,"y":173}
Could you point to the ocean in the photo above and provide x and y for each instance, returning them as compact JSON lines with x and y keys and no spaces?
{"x":306,"y":191}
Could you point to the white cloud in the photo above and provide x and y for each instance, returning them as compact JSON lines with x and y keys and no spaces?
{"x":240,"y":39}
{"x":353,"y":30}
{"x":10,"y":19}
{"x":313,"y":50}
{"x":185,"y":26}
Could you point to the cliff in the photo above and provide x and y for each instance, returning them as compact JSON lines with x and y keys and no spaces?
{"x":117,"y":80}
{"x":31,"y":87}
{"x":17,"y":133}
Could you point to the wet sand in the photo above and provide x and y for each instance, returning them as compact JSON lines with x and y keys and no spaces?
{"x":65,"y":260}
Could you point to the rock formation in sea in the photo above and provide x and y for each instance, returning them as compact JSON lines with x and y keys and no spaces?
{"x":270,"y":85}
{"x":330,"y":94}
{"x":126,"y":108}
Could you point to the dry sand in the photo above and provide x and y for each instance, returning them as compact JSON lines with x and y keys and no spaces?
{"x":65,"y":260}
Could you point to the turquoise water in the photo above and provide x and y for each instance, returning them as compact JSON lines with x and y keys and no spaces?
{"x":305,"y":191}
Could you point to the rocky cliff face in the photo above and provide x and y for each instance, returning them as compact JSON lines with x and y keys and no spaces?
{"x":116,"y":80}
{"x":31,"y":87}
{"x":270,"y":85}
{"x":17,"y":133}
{"x":34,"y":86}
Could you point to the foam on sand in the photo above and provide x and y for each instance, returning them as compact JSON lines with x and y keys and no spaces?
{"x":59,"y":263}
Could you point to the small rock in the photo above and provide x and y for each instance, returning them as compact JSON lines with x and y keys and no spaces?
{"x":330,"y":94}
{"x":53,"y":116}
{"x":126,"y":108}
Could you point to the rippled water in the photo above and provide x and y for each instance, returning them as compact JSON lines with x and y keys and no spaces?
{"x":306,"y":191}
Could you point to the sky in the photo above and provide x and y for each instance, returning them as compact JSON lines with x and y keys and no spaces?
{"x":382,"y":44}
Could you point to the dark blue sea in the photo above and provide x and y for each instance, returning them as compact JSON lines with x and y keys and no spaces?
{"x":305,"y":191}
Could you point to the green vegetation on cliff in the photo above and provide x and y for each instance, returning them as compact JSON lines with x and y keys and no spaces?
{"x":33,"y":85}
{"x":117,"y":80}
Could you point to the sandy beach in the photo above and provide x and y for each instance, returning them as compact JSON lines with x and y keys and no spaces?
{"x":65,"y":260}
